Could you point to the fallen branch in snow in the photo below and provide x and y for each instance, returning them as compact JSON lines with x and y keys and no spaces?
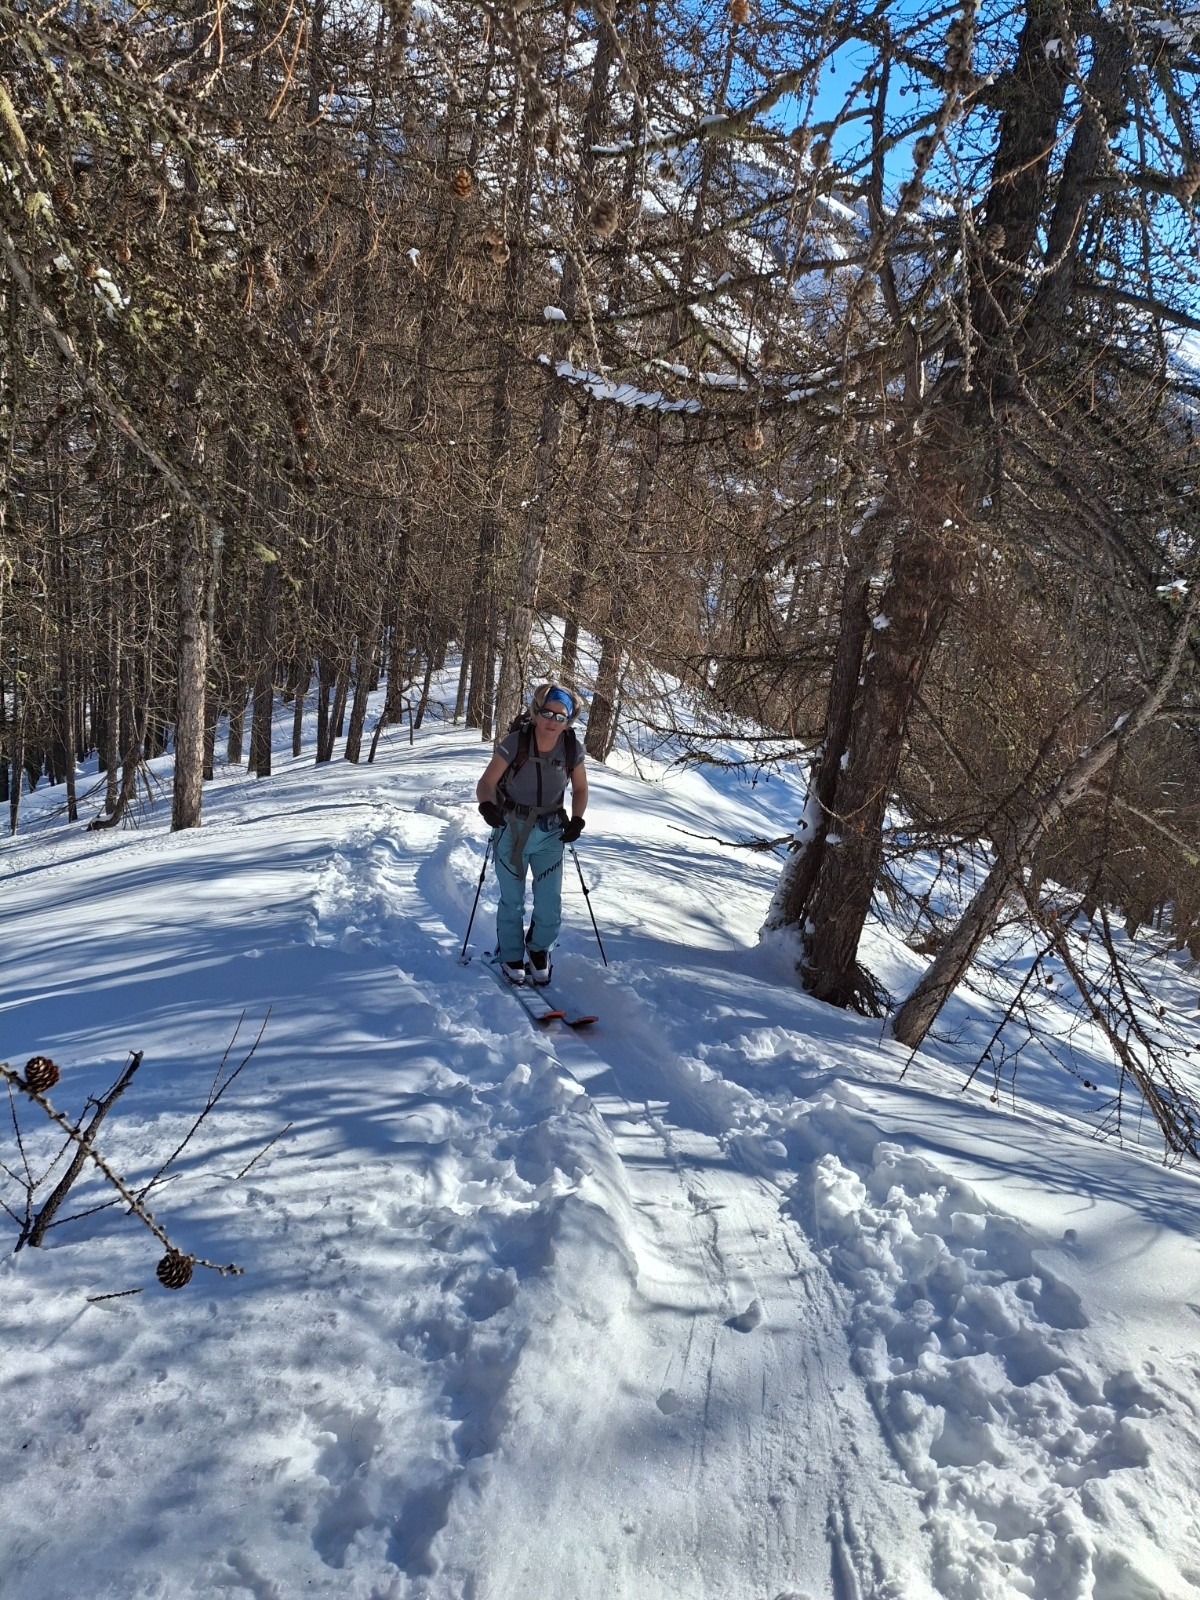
{"x":734,"y":844}
{"x":215,"y":1092}
{"x":254,"y":1159}
{"x":39,"y":1077}
{"x":37,"y":1229}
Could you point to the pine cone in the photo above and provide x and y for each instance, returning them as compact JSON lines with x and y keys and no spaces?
{"x":994,"y":236}
{"x":739,"y":12}
{"x":462,"y":183}
{"x":41,"y":1074}
{"x":92,"y":36}
{"x":753,"y":438}
{"x":174,"y":1270}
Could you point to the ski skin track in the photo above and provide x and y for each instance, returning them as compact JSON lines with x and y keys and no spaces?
{"x":731,"y":1268}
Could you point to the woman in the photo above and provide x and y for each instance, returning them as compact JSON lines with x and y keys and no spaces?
{"x":521,"y":797}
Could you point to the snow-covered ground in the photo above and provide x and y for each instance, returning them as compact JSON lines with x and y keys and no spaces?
{"x":708,"y":1301}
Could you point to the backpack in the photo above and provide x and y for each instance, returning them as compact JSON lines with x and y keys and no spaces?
{"x":522,"y":726}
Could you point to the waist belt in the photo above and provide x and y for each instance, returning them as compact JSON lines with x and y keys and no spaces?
{"x":529,"y":816}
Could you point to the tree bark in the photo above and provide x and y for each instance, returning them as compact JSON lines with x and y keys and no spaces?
{"x":264,"y":680}
{"x":17,"y":753}
{"x":364,"y":670}
{"x":4,"y":751}
{"x":935,"y":486}
{"x":112,"y":693}
{"x":602,"y":714}
{"x":325,"y":687}
{"x":303,"y":679}
{"x":803,"y":866}
{"x":397,"y":661}
{"x":912,"y":612}
{"x":191,"y":673}
{"x":236,"y":748}
{"x":66,"y":668}
{"x":602,"y":722}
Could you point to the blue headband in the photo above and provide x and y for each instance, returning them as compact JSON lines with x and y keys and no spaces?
{"x":560,"y":697}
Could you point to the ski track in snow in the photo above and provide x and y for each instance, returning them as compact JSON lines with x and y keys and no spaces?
{"x":764,"y":1351}
{"x":958,"y":1336}
{"x":713,"y":1317}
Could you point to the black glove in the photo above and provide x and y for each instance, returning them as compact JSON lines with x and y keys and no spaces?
{"x":491,"y":813}
{"x":572,"y":830}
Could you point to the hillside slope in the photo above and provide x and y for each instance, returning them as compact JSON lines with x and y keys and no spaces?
{"x":708,"y":1301}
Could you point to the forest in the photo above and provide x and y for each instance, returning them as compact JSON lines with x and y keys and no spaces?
{"x":837,"y":364}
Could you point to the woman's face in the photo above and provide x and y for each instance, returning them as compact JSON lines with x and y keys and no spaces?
{"x":550,"y":722}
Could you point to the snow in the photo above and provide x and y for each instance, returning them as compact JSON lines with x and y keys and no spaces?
{"x":724,"y":1297}
{"x":608,"y":389}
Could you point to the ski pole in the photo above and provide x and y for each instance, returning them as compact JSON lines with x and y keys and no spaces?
{"x":588,"y":897}
{"x":462,"y":954}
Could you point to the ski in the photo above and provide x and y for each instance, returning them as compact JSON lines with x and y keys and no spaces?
{"x":580,"y":1020}
{"x":530,"y":997}
{"x":533,"y":1008}
{"x":584,"y":1020}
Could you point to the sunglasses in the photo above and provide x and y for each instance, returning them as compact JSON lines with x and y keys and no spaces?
{"x":555,"y":716}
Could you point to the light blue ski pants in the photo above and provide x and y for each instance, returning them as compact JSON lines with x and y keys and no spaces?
{"x":543,"y":856}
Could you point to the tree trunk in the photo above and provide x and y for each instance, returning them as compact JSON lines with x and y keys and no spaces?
{"x":799,"y":877}
{"x":934,"y":488}
{"x":602,"y":723}
{"x":364,"y":670}
{"x":190,"y":680}
{"x":913,"y":609}
{"x":261,"y":724}
{"x":397,"y":660}
{"x":337,"y":719}
{"x":464,"y":666}
{"x":325,"y":684}
{"x":302,"y":680}
{"x":212,"y":715}
{"x":112,"y":696}
{"x":17,"y":749}
{"x":425,"y":687}
{"x":236,"y":748}
{"x":518,"y":632}
{"x":66,"y":669}
{"x":4,"y":751}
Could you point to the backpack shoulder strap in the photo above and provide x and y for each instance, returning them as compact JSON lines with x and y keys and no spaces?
{"x":571,"y":748}
{"x":524,"y":732}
